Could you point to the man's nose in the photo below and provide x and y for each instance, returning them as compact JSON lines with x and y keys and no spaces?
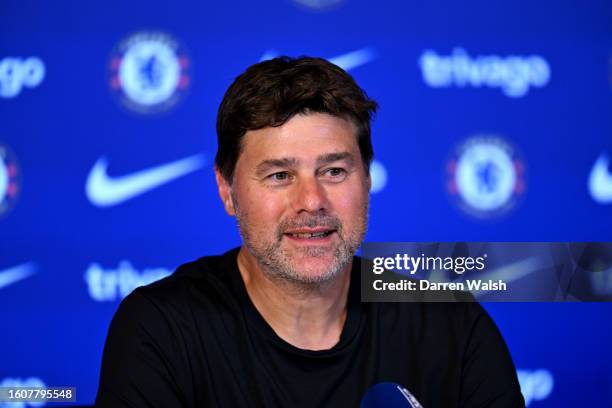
{"x":309,"y":195}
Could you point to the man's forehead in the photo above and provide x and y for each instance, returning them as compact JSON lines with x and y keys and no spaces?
{"x":312,"y":132}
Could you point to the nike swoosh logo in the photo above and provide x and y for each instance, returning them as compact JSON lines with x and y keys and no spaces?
{"x":348,"y":61}
{"x":104,"y":191}
{"x":16,"y":273}
{"x":600,"y":181}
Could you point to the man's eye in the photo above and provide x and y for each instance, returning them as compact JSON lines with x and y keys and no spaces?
{"x":335,"y":173}
{"x":280,"y":176}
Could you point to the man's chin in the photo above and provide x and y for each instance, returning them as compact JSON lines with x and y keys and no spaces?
{"x":318,"y":269}
{"x":303,"y":264}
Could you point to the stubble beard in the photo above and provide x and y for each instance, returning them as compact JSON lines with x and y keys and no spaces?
{"x":278,"y":265}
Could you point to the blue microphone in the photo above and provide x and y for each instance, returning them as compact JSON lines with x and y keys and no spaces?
{"x":390,"y":395}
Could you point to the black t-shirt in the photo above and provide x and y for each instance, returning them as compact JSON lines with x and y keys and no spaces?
{"x":195,"y":339}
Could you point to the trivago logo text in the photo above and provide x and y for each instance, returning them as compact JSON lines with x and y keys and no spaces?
{"x":514,"y":74}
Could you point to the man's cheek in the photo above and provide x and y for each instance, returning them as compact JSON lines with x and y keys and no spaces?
{"x":270,"y":207}
{"x":350,"y":202}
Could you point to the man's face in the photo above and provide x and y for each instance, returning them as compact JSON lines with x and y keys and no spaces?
{"x":300,"y":195}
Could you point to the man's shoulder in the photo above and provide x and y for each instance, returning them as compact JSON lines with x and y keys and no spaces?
{"x":460,"y":313}
{"x":205,"y":277}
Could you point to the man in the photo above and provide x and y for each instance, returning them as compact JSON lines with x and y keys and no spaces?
{"x":279,"y":322}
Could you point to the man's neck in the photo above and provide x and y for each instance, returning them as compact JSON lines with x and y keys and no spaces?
{"x":309,"y":318}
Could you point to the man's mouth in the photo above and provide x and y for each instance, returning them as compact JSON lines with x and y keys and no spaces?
{"x":310,"y":234}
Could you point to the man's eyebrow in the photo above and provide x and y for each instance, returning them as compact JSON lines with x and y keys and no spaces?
{"x":291,"y":162}
{"x":333,"y":157}
{"x":268,"y":164}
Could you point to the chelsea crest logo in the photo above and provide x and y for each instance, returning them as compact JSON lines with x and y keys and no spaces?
{"x":149,"y":72}
{"x":486,"y":176}
{"x":9,"y":179}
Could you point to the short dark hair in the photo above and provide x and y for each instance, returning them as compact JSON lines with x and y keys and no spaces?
{"x":271,"y":92}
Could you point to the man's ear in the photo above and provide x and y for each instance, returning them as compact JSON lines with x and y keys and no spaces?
{"x":225,"y":192}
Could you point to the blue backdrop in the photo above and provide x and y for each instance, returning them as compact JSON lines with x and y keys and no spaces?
{"x":494,"y":125}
